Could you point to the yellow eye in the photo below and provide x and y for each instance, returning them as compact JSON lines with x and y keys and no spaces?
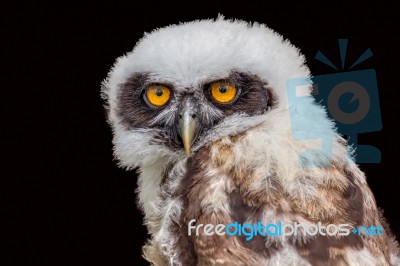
{"x":158,"y":95}
{"x":223,"y":92}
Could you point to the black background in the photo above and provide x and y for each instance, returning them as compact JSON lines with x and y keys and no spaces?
{"x":82,"y":208}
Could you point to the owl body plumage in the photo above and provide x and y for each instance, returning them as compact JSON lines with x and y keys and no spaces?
{"x":245,"y":165}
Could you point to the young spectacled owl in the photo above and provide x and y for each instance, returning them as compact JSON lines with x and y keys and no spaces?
{"x":201,"y":111}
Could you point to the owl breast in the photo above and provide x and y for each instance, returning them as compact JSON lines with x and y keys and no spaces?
{"x":223,"y":185}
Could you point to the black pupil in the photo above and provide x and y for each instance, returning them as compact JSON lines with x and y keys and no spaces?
{"x":222,"y":89}
{"x":159,"y":92}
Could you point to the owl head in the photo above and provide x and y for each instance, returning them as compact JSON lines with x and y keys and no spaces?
{"x":188,"y":85}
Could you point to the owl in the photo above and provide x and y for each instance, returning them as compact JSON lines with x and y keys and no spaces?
{"x":202,"y":111}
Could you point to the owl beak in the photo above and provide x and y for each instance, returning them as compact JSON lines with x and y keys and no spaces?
{"x":188,"y":128}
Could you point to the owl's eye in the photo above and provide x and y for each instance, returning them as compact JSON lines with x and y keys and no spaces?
{"x":223,"y":92}
{"x":158,"y":95}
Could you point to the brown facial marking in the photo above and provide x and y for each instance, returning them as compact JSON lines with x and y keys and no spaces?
{"x":132,"y":109}
{"x":255,"y":96}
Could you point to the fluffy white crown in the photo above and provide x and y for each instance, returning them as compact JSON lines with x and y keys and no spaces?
{"x":189,"y":52}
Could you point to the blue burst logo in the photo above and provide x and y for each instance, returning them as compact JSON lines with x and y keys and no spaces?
{"x":351,"y":99}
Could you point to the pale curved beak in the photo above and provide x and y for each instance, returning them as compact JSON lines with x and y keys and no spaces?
{"x":188,"y":128}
